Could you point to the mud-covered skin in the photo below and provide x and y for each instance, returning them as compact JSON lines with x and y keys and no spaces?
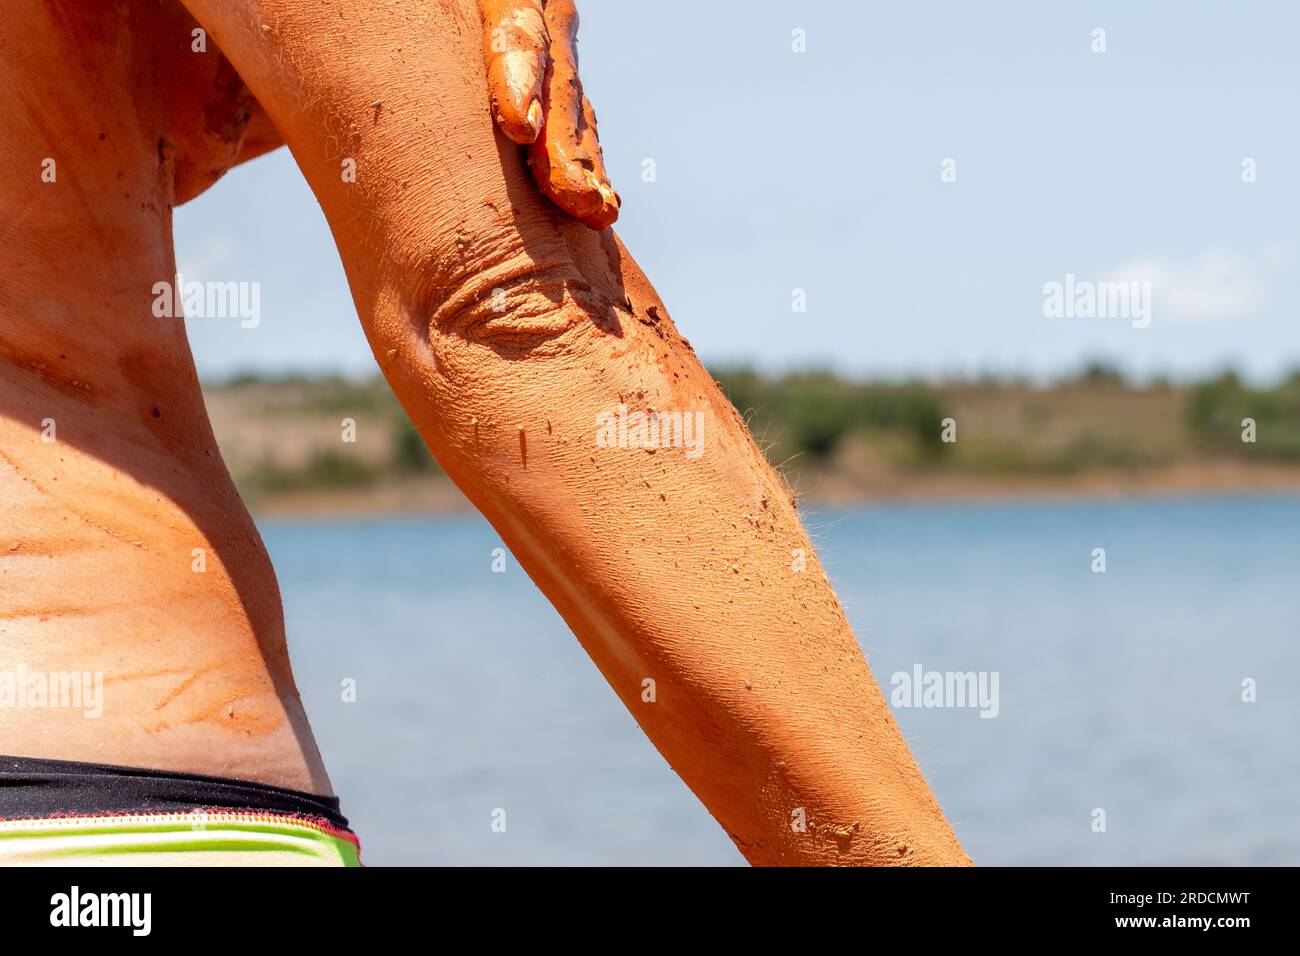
{"x":138,"y":111}
{"x":531,"y":51}
{"x":101,"y":527}
{"x":506,"y":328}
{"x":515,"y":48}
{"x":565,"y":158}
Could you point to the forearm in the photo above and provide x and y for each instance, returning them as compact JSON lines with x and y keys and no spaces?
{"x":507,"y":329}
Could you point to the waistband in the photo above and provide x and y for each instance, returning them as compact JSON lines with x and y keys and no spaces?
{"x":32,"y":788}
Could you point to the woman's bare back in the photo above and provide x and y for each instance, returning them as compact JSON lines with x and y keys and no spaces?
{"x":127,"y":560}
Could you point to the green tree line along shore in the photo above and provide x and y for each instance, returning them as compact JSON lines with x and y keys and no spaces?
{"x":282,"y":435}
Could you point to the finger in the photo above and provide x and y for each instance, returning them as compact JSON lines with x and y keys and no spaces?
{"x":514,"y":46}
{"x":610,"y":200}
{"x":565,"y":158}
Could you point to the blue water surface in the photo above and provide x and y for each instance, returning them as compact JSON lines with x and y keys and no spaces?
{"x":1118,"y":691}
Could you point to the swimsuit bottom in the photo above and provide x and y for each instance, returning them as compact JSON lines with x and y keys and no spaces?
{"x":66,"y":813}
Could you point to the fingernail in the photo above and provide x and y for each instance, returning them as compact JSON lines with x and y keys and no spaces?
{"x":535,"y":116}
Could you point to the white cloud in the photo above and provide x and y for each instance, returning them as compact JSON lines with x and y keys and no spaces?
{"x":1219,"y":285}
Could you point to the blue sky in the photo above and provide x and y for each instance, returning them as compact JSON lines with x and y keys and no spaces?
{"x":821,"y":170}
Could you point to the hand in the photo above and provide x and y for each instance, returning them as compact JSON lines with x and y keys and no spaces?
{"x":537,"y":100}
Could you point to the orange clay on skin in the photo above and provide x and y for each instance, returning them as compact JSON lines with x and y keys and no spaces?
{"x":196,"y":674}
{"x":515,"y":49}
{"x":532,"y":67}
{"x":566,"y":159}
{"x":100,"y":527}
{"x":668,"y":569}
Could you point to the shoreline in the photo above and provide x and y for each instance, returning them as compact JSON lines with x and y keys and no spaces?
{"x":440,"y":496}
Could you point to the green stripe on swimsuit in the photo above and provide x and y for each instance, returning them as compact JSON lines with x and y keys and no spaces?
{"x":195,"y":838}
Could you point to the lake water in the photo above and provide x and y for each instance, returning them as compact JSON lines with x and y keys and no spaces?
{"x":1119,"y":691}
